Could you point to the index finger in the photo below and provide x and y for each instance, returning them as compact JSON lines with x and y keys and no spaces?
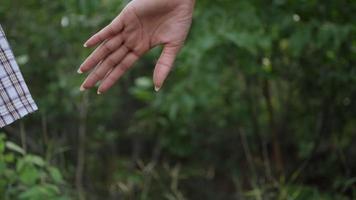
{"x":110,"y":30}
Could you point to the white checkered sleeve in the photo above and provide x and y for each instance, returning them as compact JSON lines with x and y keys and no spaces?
{"x":15,"y":98}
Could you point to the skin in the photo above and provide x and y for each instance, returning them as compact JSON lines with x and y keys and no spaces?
{"x":141,"y":26}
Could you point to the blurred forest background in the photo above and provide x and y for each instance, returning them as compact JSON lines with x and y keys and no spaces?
{"x":261,"y":105}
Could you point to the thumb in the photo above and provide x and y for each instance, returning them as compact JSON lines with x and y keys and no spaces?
{"x":164,"y":64}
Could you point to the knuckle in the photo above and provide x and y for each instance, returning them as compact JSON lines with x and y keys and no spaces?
{"x":111,"y":29}
{"x":95,"y":75}
{"x":107,"y":48}
{"x":110,"y":61}
{"x":93,"y":60}
{"x":164,"y":64}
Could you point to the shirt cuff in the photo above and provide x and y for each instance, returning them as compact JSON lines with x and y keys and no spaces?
{"x":15,"y":98}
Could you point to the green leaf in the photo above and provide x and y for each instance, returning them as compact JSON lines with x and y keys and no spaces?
{"x":2,"y":143}
{"x":20,"y":165}
{"x":55,"y":175}
{"x":9,"y":157}
{"x":35,"y":160}
{"x":14,"y":147}
{"x":2,"y":167}
{"x":46,"y":191}
{"x":143,"y":82}
{"x":2,"y":147}
{"x":29,"y":175}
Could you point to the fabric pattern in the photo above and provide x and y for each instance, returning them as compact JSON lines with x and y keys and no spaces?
{"x":15,"y":98}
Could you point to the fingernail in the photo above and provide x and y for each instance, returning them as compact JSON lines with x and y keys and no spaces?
{"x":80,"y":71}
{"x":98,"y":92}
{"x":85,"y":45}
{"x":82,"y":88}
{"x":157,"y":88}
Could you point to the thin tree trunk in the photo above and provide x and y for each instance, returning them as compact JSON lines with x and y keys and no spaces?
{"x":250,"y":162}
{"x":252,"y":106}
{"x":272,"y":126}
{"x":83,"y":107}
{"x":30,"y":143}
{"x":23,"y":136}
{"x":44,"y":129}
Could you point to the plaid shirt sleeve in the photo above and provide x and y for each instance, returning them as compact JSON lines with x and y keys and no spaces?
{"x":15,"y":98}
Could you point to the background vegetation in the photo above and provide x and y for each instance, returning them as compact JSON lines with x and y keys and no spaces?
{"x":261,"y":105}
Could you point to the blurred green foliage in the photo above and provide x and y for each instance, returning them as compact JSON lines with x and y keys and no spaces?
{"x":26,"y":176}
{"x":261,"y":104}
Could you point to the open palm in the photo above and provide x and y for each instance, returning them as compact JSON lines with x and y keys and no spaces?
{"x":142,"y":25}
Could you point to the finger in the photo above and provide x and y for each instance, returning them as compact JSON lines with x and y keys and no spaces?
{"x":110,"y":70}
{"x":106,"y":75}
{"x":110,"y":30}
{"x":117,"y":72}
{"x":100,"y":53}
{"x":82,"y":88}
{"x":164,"y":65}
{"x":108,"y":63}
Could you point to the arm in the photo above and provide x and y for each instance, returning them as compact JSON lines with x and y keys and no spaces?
{"x":142,"y":25}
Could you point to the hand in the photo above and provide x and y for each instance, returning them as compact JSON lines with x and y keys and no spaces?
{"x":142,"y":25}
